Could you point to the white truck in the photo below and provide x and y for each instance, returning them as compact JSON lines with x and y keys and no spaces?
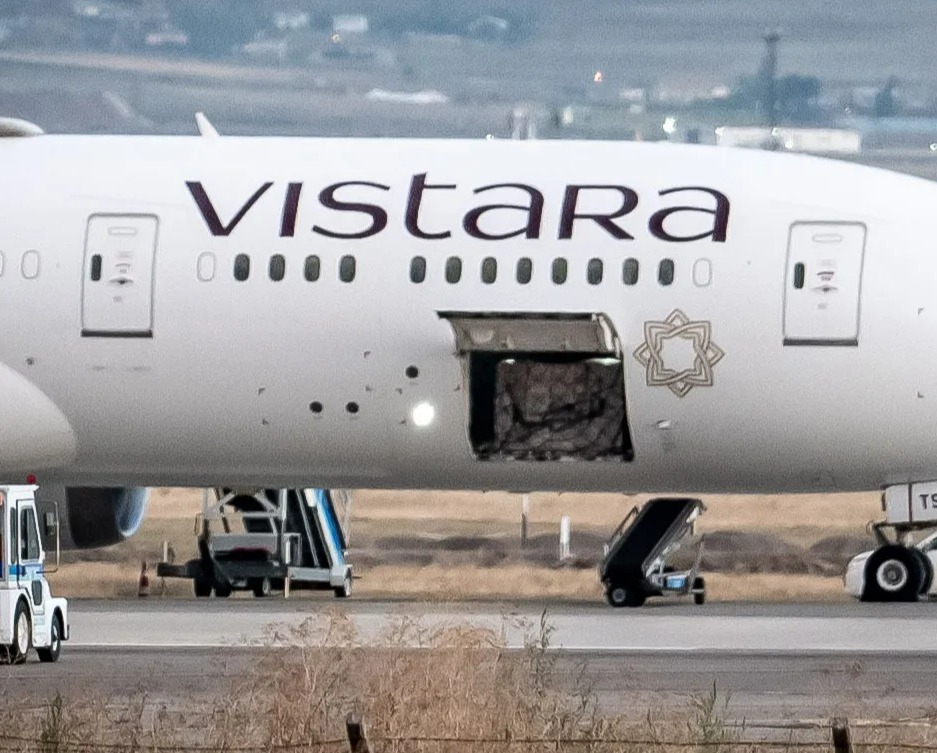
{"x":29,"y":616}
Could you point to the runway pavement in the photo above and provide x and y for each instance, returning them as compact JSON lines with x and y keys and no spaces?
{"x":772,"y":662}
{"x":660,"y":627}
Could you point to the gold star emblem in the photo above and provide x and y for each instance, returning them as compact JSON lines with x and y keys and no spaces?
{"x":678,"y":327}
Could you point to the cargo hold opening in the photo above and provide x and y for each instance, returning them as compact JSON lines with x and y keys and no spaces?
{"x":543,"y":387}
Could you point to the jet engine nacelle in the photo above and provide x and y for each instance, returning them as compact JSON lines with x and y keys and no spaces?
{"x":92,"y":517}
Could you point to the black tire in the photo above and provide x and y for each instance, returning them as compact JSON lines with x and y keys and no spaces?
{"x":262,"y":587}
{"x":624,"y":596}
{"x":892,"y":573}
{"x":344,"y":590}
{"x":223,"y":590}
{"x":22,"y":634}
{"x":699,"y":591}
{"x":51,"y":654}
{"x":927,"y":572}
{"x":203,"y":588}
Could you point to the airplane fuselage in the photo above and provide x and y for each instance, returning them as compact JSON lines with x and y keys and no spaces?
{"x":287,"y":312}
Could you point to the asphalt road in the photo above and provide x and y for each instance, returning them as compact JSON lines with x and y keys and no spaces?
{"x":770,"y":662}
{"x":661,"y":626}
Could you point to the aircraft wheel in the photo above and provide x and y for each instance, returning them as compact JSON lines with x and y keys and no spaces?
{"x":927,"y":571}
{"x":22,"y":635}
{"x":699,"y":591}
{"x":262,"y":587}
{"x":51,"y":654}
{"x":893,"y":573}
{"x":203,"y":588}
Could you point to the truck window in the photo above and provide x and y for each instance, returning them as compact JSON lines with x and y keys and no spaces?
{"x":29,"y":536}
{"x":14,"y":540}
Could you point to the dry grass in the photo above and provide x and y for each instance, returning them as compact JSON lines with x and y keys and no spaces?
{"x":822,"y":513}
{"x":107,"y":580}
{"x":804,"y":517}
{"x":378,"y":515}
{"x":111,"y":580}
{"x":461,"y":691}
{"x":774,"y":587}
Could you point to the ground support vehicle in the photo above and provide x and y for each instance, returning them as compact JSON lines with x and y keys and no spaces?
{"x":635,"y":566}
{"x":266,"y":540}
{"x":30,"y":617}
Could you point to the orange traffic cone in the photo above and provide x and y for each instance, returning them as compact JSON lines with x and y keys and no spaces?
{"x":144,"y":584}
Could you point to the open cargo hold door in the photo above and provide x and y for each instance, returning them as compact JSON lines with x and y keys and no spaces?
{"x":543,"y":387}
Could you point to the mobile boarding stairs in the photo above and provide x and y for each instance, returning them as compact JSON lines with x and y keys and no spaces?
{"x":635,"y":564}
{"x":267,"y":540}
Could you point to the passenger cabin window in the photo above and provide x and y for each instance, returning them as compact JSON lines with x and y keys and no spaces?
{"x":629,"y":271}
{"x":242,"y":267}
{"x":595,"y":271}
{"x":665,"y":272}
{"x":205,"y":267}
{"x":277,"y":267}
{"x":453,"y":270}
{"x":417,"y":269}
{"x":30,"y":265}
{"x":560,"y":271}
{"x":489,"y":270}
{"x":525,"y":269}
{"x":346,"y":268}
{"x":312,"y":268}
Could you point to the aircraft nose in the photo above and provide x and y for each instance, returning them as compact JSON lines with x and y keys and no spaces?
{"x":39,"y":435}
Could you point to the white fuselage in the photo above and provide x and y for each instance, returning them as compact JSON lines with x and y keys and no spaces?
{"x":168,"y":370}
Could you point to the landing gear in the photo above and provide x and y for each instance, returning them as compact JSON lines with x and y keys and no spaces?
{"x":896,"y":573}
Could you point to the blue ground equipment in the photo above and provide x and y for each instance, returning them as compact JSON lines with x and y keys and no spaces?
{"x":267,"y":540}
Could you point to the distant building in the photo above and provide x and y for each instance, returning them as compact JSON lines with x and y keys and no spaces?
{"x":489,"y":27}
{"x":101,"y":10}
{"x":635,"y":98}
{"x":350,"y":23}
{"x":815,"y":140}
{"x":424,"y":97}
{"x":290,"y":20}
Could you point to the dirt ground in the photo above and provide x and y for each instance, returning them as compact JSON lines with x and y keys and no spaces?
{"x":467,"y":545}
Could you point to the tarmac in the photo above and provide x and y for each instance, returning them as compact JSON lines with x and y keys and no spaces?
{"x":768,"y":662}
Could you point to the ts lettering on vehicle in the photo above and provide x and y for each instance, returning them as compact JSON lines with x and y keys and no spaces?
{"x":360,"y":197}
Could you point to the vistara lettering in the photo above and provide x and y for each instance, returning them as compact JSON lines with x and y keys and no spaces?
{"x":526,"y":203}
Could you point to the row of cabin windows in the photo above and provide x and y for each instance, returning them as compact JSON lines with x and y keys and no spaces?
{"x":559,"y":270}
{"x":312,"y":268}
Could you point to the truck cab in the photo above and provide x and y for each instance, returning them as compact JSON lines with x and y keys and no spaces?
{"x":29,"y":615}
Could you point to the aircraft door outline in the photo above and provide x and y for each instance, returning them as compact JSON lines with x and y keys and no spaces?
{"x":823,"y":283}
{"x":118,"y":276}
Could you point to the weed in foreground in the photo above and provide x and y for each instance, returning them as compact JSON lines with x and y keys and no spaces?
{"x":422,"y":686}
